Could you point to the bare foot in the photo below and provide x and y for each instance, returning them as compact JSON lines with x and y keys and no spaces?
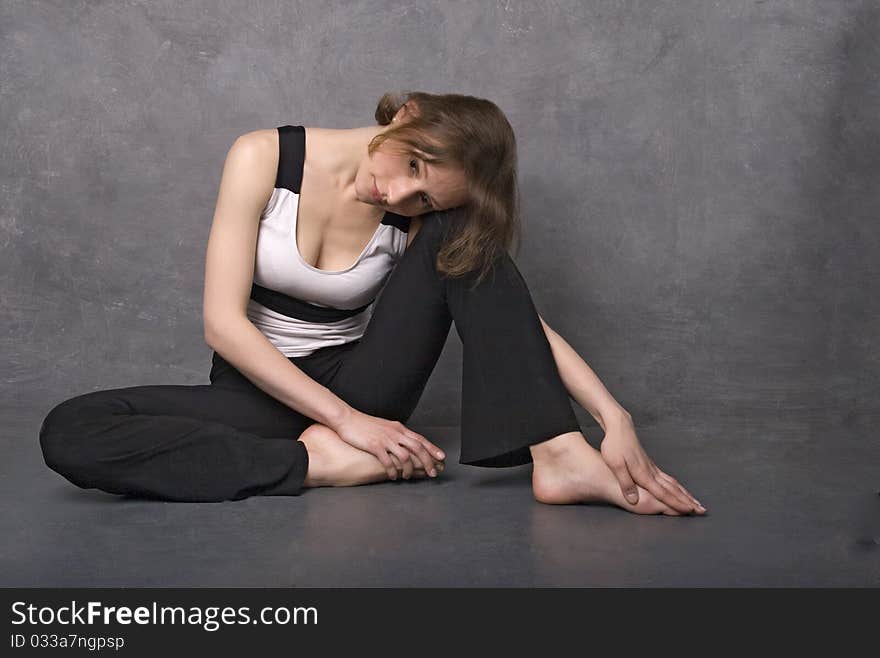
{"x":335,"y":463}
{"x":572,"y":471}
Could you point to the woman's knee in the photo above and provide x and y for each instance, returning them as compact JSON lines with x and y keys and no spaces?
{"x":433,"y":230}
{"x":54,"y":444}
{"x":63,"y":439}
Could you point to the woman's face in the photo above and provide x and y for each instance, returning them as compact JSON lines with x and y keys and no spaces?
{"x":406,"y":185}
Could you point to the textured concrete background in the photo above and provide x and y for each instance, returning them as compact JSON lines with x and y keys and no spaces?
{"x":700,"y":186}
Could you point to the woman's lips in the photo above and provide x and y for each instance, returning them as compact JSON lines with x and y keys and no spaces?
{"x":376,"y":196}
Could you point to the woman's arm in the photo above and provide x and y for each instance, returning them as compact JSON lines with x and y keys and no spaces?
{"x":245,"y":187}
{"x":621,"y":448}
{"x":583,"y":384}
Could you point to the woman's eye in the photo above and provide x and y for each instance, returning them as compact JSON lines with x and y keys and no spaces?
{"x":415,"y":165}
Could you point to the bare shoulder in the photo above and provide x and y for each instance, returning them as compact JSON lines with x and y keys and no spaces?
{"x":252,"y":162}
{"x":263,"y":140}
{"x":415,"y":223}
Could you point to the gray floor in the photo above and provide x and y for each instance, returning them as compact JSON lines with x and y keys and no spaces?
{"x":786,"y":512}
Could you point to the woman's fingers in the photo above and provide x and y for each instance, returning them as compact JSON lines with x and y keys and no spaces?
{"x":671,"y":481}
{"x":669,"y":511}
{"x":627,"y":485}
{"x":420,"y":454}
{"x":662,"y":492}
{"x":435,"y":451}
{"x":388,"y":462}
{"x":403,"y":456}
{"x":673,"y":497}
{"x":396,"y":466}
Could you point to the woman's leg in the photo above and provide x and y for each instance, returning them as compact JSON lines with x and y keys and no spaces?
{"x":331,"y":461}
{"x":512,"y":395}
{"x":386,"y":372}
{"x":174,"y":442}
{"x":226,"y":441}
{"x":515,"y":408}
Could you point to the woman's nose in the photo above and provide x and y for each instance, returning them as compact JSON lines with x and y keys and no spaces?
{"x":399,"y":190}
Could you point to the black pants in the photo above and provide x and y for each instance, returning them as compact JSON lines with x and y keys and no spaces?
{"x":230,"y":439}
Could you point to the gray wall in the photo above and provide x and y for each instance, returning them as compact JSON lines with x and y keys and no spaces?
{"x":700,"y":185}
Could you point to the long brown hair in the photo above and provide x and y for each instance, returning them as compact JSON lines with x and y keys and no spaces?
{"x":474,"y":135}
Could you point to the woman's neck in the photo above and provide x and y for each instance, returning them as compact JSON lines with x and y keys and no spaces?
{"x":338,"y":153}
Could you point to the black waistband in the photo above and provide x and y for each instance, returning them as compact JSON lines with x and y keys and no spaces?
{"x":297,"y":308}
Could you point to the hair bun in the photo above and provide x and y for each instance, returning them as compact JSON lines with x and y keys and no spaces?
{"x":388,"y":106}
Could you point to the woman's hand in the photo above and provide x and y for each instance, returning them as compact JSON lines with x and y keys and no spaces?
{"x":631,"y":465}
{"x":391,"y":442}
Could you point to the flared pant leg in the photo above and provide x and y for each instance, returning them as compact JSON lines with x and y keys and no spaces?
{"x":181,"y":443}
{"x":226,"y":441}
{"x":512,"y":395}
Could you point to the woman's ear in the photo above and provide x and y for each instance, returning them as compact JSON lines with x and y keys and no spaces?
{"x":407,"y":111}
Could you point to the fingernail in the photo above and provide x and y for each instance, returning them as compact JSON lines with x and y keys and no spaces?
{"x":441,"y":455}
{"x":433,"y":473}
{"x":632,"y":497}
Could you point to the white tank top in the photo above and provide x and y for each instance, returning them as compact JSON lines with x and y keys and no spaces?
{"x":300,"y":308}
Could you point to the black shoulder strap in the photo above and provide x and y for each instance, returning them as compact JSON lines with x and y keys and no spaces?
{"x":291,"y":157}
{"x":291,"y":161}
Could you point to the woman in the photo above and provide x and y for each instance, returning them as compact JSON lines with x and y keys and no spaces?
{"x":311,"y":380}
